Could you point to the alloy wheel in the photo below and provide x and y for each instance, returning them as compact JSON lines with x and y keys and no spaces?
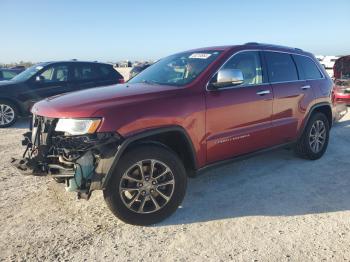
{"x":317,"y":136}
{"x":7,"y":114}
{"x":147,"y":186}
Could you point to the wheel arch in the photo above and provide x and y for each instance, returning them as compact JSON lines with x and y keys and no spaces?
{"x":324,"y":108}
{"x":174,"y":138}
{"x":15,"y":103}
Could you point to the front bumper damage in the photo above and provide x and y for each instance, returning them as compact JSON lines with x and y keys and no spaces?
{"x":82,"y":162}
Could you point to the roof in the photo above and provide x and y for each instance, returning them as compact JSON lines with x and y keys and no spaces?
{"x":71,"y":61}
{"x":251,"y":45}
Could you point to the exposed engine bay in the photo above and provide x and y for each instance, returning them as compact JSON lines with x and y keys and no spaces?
{"x":80,"y":161}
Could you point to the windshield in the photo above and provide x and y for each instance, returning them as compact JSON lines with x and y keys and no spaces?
{"x":26,"y":74}
{"x":179,"y":69}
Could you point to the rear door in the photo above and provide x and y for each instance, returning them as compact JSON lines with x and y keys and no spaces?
{"x":238,"y":118}
{"x":84,"y":75}
{"x":106,"y":75}
{"x":88,"y":75}
{"x":292,"y":95}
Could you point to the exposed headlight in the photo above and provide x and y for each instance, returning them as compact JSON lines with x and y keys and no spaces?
{"x":77,"y":126}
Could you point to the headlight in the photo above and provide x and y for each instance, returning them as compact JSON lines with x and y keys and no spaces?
{"x":77,"y":126}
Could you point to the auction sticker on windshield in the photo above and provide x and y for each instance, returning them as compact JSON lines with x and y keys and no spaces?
{"x":200,"y":55}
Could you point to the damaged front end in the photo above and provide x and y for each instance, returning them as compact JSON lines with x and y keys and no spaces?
{"x":81,"y":161}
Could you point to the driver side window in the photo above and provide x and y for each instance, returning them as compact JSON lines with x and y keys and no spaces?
{"x":56,"y":73}
{"x":249,"y":63}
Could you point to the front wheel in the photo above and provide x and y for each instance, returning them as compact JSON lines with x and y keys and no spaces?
{"x":148,"y":185}
{"x":314,"y":141}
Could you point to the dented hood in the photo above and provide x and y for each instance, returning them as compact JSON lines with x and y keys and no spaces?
{"x":86,"y":102}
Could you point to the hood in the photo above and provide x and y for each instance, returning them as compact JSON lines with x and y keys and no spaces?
{"x":86,"y":102}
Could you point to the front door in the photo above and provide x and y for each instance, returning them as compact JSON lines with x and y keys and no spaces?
{"x":238,"y":118}
{"x":53,"y":80}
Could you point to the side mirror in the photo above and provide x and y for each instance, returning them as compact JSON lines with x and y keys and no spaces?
{"x":227,"y":77}
{"x":39,"y":79}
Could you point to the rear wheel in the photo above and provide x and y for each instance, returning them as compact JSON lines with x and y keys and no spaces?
{"x":8,"y":114}
{"x":314,"y":141}
{"x":148,"y":185}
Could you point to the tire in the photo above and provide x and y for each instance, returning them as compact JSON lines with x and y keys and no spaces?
{"x":304,"y":147}
{"x":8,"y":113}
{"x":127,"y":174}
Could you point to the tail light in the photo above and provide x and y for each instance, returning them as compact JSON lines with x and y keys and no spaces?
{"x":121,"y":81}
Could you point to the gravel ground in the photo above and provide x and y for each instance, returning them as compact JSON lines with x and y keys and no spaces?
{"x":274,"y":207}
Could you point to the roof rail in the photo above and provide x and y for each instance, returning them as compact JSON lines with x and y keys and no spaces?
{"x":272,"y":45}
{"x":251,"y":43}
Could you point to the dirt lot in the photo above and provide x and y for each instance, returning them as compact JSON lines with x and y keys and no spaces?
{"x":274,"y":207}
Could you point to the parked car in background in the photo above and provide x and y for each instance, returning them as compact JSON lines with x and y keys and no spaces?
{"x":341,"y":76}
{"x":137,"y":69}
{"x":328,"y":61}
{"x":7,"y":74}
{"x":319,"y":58}
{"x":139,"y":142}
{"x":49,"y":79}
{"x":124,"y":64}
{"x":19,"y":67}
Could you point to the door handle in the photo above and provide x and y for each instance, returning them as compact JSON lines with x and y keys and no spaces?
{"x":305,"y":87}
{"x":263,"y":92}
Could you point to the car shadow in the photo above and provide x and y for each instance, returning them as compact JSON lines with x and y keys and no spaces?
{"x":274,"y":184}
{"x":22,"y":123}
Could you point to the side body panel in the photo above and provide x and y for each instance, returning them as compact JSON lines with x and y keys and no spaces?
{"x":238,"y":121}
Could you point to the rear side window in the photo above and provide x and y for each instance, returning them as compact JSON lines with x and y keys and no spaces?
{"x":84,"y":72}
{"x":107,"y":72}
{"x":281,"y":67}
{"x":307,"y":67}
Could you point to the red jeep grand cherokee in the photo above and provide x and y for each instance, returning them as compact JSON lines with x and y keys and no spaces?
{"x":139,"y":141}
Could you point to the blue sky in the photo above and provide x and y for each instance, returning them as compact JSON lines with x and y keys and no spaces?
{"x":116,"y":30}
